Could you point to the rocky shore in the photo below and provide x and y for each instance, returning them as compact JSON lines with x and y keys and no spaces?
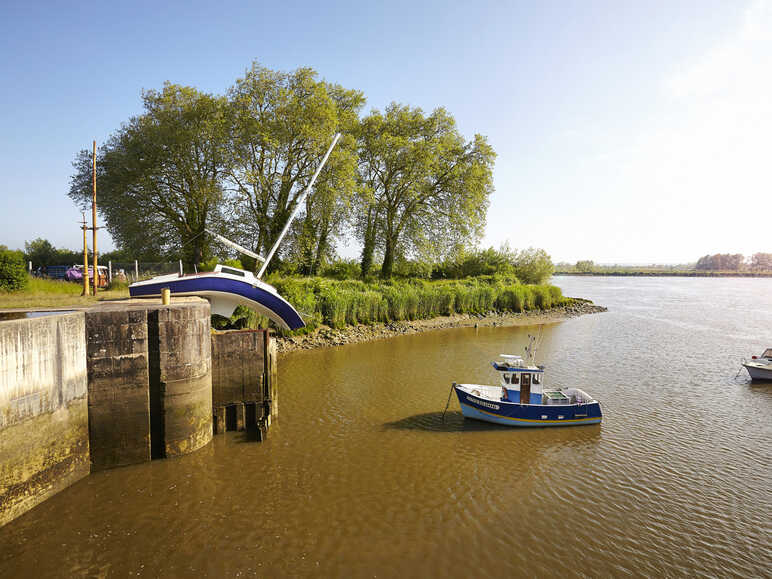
{"x":324,"y":336}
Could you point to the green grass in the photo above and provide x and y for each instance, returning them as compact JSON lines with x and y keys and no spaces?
{"x":49,"y":293}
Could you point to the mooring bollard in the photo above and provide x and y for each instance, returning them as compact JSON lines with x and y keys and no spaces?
{"x":166,"y":296}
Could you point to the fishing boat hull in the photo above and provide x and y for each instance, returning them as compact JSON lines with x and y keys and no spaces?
{"x":516,"y":414}
{"x":224,"y":294}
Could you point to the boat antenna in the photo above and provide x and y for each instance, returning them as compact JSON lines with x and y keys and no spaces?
{"x":533,"y":344}
{"x":297,"y":208}
{"x":235,"y":246}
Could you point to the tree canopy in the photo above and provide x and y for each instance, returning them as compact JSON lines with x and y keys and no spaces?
{"x":160,"y":175}
{"x":422,"y":186}
{"x":281,"y":126}
{"x":404,"y":183}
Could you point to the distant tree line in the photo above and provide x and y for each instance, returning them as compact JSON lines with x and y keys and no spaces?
{"x":735,"y":262}
{"x":717,"y":262}
{"x":403,"y":183}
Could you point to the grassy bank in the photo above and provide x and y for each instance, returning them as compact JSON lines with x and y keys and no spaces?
{"x":351,"y":302}
{"x":48,"y":293}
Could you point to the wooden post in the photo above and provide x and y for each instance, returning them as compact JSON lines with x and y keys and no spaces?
{"x":136,"y":271}
{"x":109,"y":271}
{"x":84,"y":227}
{"x":94,"y":219}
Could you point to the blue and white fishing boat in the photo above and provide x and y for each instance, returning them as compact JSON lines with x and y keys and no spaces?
{"x":228,"y":287}
{"x":521,"y":399}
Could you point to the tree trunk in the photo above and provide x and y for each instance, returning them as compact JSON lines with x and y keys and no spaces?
{"x":368,"y":246}
{"x":321,"y":248}
{"x":388,"y":259}
{"x":368,"y":249}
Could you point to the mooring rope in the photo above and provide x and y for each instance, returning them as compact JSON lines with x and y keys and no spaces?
{"x":448,"y":402}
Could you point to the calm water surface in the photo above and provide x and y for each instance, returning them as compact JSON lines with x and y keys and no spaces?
{"x":360,"y":476}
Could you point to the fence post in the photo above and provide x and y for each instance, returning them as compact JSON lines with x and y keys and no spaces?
{"x":136,"y":271}
{"x":180,"y":268}
{"x":30,"y":268}
{"x":109,"y":271}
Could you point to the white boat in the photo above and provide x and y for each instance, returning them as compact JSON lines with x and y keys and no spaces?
{"x":227,"y":287}
{"x":760,"y":367}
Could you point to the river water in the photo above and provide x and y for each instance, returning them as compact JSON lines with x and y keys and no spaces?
{"x":361,"y":477}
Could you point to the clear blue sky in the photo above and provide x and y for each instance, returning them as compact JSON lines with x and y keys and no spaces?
{"x":626,"y":132}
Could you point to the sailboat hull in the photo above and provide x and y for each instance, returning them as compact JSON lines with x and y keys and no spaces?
{"x":224,"y":295}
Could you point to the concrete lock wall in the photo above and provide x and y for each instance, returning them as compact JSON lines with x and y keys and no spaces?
{"x":238,"y":364}
{"x":244,"y":386}
{"x":118,"y":386}
{"x":44,"y":441}
{"x":150,"y":381}
{"x":181,"y":375}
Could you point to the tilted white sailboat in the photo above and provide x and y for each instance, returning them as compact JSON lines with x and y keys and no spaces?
{"x":228,"y":287}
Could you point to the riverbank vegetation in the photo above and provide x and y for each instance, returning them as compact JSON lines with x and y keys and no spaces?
{"x":350,"y":302}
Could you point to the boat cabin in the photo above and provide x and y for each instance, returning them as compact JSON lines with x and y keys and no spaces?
{"x":523,"y":383}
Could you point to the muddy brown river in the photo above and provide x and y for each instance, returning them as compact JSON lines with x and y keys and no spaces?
{"x":360,"y":477}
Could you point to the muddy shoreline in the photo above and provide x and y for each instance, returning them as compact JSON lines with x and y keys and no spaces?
{"x":325,"y":337}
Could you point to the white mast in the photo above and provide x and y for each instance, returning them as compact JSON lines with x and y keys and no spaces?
{"x":297,"y":208}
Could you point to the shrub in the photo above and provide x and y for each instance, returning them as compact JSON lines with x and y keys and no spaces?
{"x":13,"y":274}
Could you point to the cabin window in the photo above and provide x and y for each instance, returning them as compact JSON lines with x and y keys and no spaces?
{"x":506,"y":378}
{"x":536,"y":379}
{"x":515,"y":379}
{"x":232,"y":271}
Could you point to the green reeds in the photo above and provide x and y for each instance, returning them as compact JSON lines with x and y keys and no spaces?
{"x":350,"y":302}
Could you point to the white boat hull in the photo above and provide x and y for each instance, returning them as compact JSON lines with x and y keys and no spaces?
{"x":759,"y":371}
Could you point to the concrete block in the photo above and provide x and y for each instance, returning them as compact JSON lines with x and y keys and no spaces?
{"x":44,"y":444}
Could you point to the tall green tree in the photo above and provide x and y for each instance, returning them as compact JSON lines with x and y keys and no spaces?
{"x":40,"y":252}
{"x":422,"y":187}
{"x":282,"y":124}
{"x":159,"y":177}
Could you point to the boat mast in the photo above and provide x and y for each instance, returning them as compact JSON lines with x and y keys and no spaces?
{"x":297,"y":208}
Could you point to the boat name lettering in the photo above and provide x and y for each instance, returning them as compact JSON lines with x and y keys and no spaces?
{"x":483,"y":403}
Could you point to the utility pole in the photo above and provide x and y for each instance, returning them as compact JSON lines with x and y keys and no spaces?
{"x":94,"y":220}
{"x":84,"y":227}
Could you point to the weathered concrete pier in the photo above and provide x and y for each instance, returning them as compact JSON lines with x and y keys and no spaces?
{"x":121,"y":383}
